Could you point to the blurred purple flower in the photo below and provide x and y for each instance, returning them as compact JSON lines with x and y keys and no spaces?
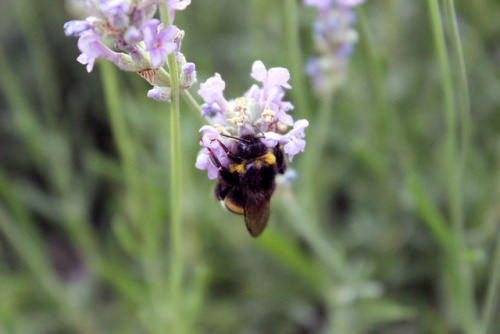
{"x":211,"y":92}
{"x":272,"y":92}
{"x":276,"y":76}
{"x":203,"y":162}
{"x":320,"y":4}
{"x":350,"y":3}
{"x":210,"y":140}
{"x":116,"y":11}
{"x":174,"y":5}
{"x":158,"y":43}
{"x":91,"y":47}
{"x":160,"y":93}
{"x":292,"y":141}
{"x":75,"y":28}
{"x":188,"y":75}
{"x":334,"y":38}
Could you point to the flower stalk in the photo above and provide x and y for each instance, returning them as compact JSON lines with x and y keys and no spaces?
{"x":460,"y":273}
{"x":175,"y":183}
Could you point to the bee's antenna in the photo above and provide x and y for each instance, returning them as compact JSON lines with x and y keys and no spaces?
{"x":263,"y":134}
{"x":237,"y":138}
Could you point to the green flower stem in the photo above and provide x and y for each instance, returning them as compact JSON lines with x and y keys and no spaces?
{"x":175,"y":185}
{"x":134,"y":192}
{"x":295,"y":57}
{"x":460,"y":272}
{"x":120,"y":133}
{"x":188,"y":98}
{"x":491,"y":300}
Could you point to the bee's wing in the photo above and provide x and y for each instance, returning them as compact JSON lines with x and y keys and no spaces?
{"x":256,"y":217}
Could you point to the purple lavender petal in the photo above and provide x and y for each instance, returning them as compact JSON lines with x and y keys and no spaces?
{"x":350,"y":3}
{"x":278,"y":76}
{"x":203,"y":162}
{"x":132,"y":35}
{"x":91,"y":47}
{"x":158,"y":44}
{"x":209,"y":109}
{"x":259,"y":71}
{"x":160,"y":93}
{"x":211,"y":91}
{"x":283,"y":117}
{"x":320,"y":4}
{"x":174,"y":5}
{"x":271,"y":139}
{"x":292,"y":141}
{"x":116,"y":12}
{"x":76,"y":27}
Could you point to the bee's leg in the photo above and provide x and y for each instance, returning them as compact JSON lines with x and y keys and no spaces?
{"x":230,"y":154}
{"x":224,"y":173}
{"x":221,"y":190}
{"x":280,"y":159}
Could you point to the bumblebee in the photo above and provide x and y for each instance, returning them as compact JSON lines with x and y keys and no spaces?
{"x":245,"y":187}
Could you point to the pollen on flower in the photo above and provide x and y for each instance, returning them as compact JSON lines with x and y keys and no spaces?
{"x":268,"y":114}
{"x":179,"y":36}
{"x":221,"y":130}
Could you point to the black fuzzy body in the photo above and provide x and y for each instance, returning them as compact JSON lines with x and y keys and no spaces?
{"x":246,"y":186}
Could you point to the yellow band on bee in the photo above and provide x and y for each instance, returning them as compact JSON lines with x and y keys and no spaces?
{"x":267,"y":159}
{"x":238,"y":168}
{"x":233,"y":207}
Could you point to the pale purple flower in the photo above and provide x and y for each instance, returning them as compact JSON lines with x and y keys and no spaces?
{"x":174,"y":5}
{"x":334,"y":38}
{"x":211,"y":92}
{"x":293,"y":141}
{"x":75,"y":28}
{"x":203,"y":162}
{"x":276,"y":76}
{"x":320,"y":4}
{"x":158,"y":43}
{"x":272,"y":91}
{"x":116,"y":12}
{"x":132,"y":35}
{"x":210,"y":140}
{"x":350,"y":3}
{"x":91,"y":47}
{"x":271,"y":139}
{"x":188,"y":75}
{"x":160,"y":93}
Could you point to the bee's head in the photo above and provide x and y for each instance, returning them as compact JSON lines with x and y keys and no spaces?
{"x":249,"y":146}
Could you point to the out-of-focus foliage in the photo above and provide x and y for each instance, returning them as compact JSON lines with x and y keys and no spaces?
{"x":355,"y":244}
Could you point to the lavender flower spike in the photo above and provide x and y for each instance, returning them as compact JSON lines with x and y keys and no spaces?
{"x":129,"y":30}
{"x":211,"y":92}
{"x":334,"y":38}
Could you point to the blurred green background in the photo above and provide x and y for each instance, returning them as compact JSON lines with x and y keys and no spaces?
{"x":364,"y":241}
